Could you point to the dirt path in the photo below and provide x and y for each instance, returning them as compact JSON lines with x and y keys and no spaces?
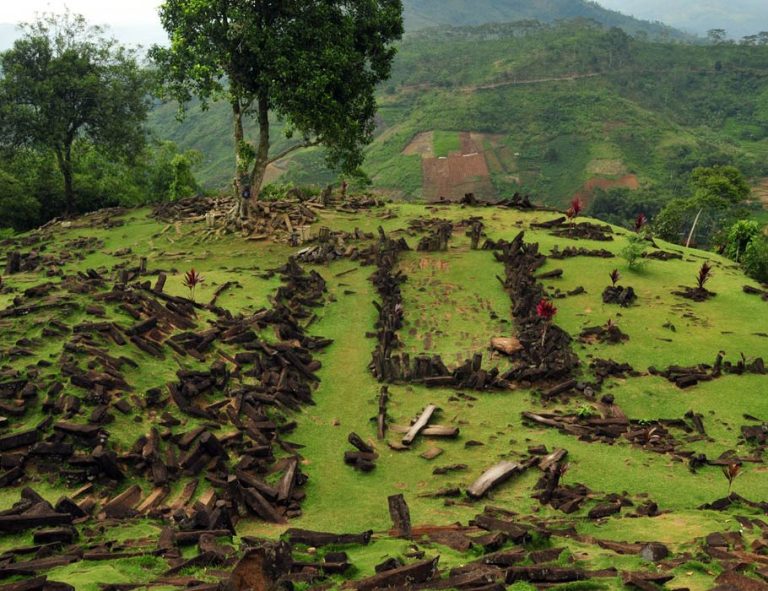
{"x":567,"y":78}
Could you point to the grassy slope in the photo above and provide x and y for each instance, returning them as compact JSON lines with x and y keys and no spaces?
{"x":342,"y":499}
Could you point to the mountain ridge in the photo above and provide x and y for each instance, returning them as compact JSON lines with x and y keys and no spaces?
{"x":420,"y":14}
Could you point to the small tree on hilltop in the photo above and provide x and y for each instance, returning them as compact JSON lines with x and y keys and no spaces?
{"x":63,"y":81}
{"x":634,"y":251}
{"x":314,"y":65}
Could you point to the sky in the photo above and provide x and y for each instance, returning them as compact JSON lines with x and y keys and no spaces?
{"x":112,"y":12}
{"x":133,"y":22}
{"x":737,"y":17}
{"x":136,"y":21}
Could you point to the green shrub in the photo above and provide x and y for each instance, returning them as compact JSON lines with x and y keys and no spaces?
{"x":755,"y":259}
{"x":18,"y":209}
{"x":739,"y":237}
{"x":634,"y":251}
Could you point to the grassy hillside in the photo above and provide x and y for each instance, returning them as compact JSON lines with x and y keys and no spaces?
{"x":549,"y":109}
{"x":559,"y":107}
{"x":453,"y":304}
{"x":420,"y":14}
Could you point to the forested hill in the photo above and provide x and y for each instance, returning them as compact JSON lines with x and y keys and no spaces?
{"x":421,"y":14}
{"x":551,"y":110}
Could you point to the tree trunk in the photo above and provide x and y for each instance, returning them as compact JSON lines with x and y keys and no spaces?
{"x":262,"y":153}
{"x":241,"y":183}
{"x":248,"y":182}
{"x":64,"y":160}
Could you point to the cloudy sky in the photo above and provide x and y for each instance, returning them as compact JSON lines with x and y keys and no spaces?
{"x":114,"y":12}
{"x":737,"y":17}
{"x":136,"y":21}
{"x":131,"y":21}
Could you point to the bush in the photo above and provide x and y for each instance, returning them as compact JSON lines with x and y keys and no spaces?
{"x":634,"y":251}
{"x":169,"y":173}
{"x":739,"y":237}
{"x":755,"y":259}
{"x":275,"y":191}
{"x":31,"y":191}
{"x":18,"y":210}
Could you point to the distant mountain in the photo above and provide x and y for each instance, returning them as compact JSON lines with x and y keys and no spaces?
{"x":737,"y":17}
{"x":420,"y":14}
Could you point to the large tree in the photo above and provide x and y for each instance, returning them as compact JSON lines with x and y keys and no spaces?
{"x":313,"y":63}
{"x":64,"y":81}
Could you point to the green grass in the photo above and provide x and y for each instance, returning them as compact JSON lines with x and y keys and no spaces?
{"x":445,"y":143}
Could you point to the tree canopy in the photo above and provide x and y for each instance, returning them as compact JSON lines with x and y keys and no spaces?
{"x":63,"y":81}
{"x":718,"y":194}
{"x":313,"y":64}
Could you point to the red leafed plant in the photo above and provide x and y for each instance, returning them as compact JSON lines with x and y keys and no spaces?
{"x":705,"y":274}
{"x":731,"y":471}
{"x":615,"y":276}
{"x":640,"y":222}
{"x":191,"y":280}
{"x":546,"y":310}
{"x":576,"y":208}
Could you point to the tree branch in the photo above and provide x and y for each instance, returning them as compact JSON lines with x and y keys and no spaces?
{"x":293,"y":148}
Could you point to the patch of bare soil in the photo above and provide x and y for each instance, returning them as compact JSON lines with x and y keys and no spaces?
{"x":452,"y":177}
{"x":422,"y":143}
{"x":585,"y":194}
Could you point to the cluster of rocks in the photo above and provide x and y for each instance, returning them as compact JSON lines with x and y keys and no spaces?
{"x":391,"y":367}
{"x":620,"y":295}
{"x":572,"y":251}
{"x":687,"y":376}
{"x":546,"y":352}
{"x":255,"y":384}
{"x":608,"y":333}
{"x":330,"y":246}
{"x":612,"y":424}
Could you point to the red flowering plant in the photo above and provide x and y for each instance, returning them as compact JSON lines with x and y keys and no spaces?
{"x":577,"y":206}
{"x":640,"y":222}
{"x":191,"y":280}
{"x":545,"y":310}
{"x":731,"y":471}
{"x":705,"y":274}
